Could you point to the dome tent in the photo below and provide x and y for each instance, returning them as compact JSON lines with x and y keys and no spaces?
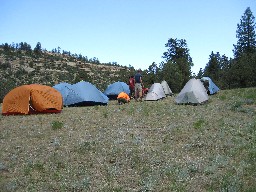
{"x":166,"y":88}
{"x":193,"y":92}
{"x":32,"y":99}
{"x":155,"y":92}
{"x":212,"y":88}
{"x":81,"y":94}
{"x":64,"y":89}
{"x":115,"y":88}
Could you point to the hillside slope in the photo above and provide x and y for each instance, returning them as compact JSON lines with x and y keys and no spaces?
{"x":19,"y":67}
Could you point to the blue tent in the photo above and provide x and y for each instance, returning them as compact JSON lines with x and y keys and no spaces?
{"x":64,"y":89}
{"x":212,"y":88}
{"x":114,"y":89}
{"x":81,"y":94}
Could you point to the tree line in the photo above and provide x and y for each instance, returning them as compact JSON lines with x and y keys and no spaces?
{"x":227,"y":73}
{"x":23,"y":48}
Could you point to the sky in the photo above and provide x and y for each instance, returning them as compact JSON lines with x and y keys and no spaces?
{"x":129,"y":32}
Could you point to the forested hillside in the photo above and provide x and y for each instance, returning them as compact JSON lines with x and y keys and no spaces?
{"x":19,"y":64}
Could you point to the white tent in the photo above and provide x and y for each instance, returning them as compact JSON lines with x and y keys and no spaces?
{"x":193,"y":92}
{"x":155,"y":92}
{"x":166,"y":88}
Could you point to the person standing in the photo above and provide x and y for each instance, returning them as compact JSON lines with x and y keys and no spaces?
{"x":131,"y":84}
{"x":138,"y":85}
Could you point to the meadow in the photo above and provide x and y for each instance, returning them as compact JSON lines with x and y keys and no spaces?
{"x":140,"y":146}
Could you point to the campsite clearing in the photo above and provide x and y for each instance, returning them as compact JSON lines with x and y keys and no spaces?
{"x":140,"y":146}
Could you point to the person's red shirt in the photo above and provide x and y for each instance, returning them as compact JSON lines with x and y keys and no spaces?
{"x":131,"y":83}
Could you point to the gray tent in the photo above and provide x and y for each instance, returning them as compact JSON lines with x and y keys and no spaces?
{"x":155,"y":92}
{"x":166,"y":88}
{"x":193,"y":92}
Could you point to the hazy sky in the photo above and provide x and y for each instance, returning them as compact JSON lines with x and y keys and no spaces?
{"x":125,"y":31}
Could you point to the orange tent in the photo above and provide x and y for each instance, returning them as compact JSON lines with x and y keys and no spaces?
{"x":33,"y":98}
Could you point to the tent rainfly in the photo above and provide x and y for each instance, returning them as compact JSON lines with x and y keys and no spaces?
{"x":32,"y":99}
{"x":81,"y":94}
{"x":155,"y":92}
{"x":193,"y":92}
{"x":113,"y":90}
{"x":212,"y":88}
{"x":166,"y":88}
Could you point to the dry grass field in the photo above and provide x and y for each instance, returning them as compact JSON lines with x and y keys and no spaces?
{"x":140,"y":146}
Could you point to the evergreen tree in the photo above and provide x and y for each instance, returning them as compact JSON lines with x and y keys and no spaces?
{"x":225,"y":79}
{"x":245,"y":34}
{"x":6,"y":48}
{"x":178,"y":57}
{"x":152,"y":74}
{"x":38,"y":49}
{"x":243,"y":71}
{"x":200,"y":73}
{"x":212,"y":68}
{"x":244,"y":65}
{"x":173,"y":76}
{"x":25,"y":47}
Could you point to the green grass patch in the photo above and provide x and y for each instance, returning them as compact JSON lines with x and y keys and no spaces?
{"x":85,"y":147}
{"x":57,"y":125}
{"x":198,"y":124}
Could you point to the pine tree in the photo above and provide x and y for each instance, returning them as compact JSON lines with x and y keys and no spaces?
{"x":225,"y":75}
{"x":178,"y":62}
{"x":212,"y":68}
{"x":152,"y":74}
{"x":200,"y":73}
{"x":38,"y":49}
{"x":245,"y":34}
{"x":244,"y":64}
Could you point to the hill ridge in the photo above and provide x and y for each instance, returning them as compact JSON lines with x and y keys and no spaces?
{"x":21,"y":67}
